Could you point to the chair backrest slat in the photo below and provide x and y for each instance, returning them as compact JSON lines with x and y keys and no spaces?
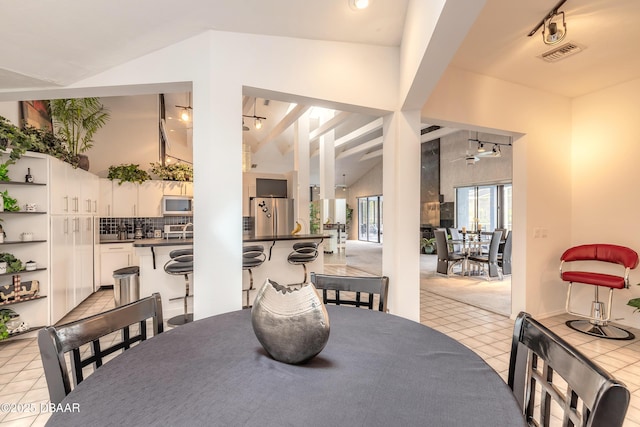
{"x":376,"y":285}
{"x":534,"y":347}
{"x":55,"y":341}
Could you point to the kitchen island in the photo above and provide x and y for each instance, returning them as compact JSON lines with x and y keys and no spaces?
{"x":152,"y":255}
{"x":276,"y":267}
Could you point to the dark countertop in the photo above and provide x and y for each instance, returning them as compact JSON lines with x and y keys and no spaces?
{"x":252,"y":238}
{"x":146,"y":243}
{"x":107,"y":241}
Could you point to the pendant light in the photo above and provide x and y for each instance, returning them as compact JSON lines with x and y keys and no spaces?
{"x":257,"y":120}
{"x":185,"y":114}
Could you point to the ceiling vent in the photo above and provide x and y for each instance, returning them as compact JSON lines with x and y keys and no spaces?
{"x":561,"y":52}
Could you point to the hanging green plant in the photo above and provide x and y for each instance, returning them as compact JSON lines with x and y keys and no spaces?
{"x":46,"y":142}
{"x":5,"y":316}
{"x":173,"y":172}
{"x":10,"y":204}
{"x":128,"y":173}
{"x":11,"y":136}
{"x":13,"y":264}
{"x":4,"y":172}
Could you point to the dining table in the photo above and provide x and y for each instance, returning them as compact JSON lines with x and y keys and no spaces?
{"x":377,"y":369}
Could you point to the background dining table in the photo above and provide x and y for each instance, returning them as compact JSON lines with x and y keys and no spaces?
{"x":376,"y":370}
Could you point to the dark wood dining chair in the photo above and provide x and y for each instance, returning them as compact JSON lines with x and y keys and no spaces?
{"x":56,"y":341}
{"x":543,"y":363}
{"x":446,"y":259}
{"x":344,"y":288}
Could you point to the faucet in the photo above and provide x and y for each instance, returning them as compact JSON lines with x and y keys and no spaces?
{"x":184,"y":230}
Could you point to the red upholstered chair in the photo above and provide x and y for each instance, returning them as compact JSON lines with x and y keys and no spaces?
{"x":597,"y":323}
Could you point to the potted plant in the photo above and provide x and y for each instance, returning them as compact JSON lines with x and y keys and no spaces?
{"x":9,"y":204}
{"x":77,"y":120}
{"x":428,"y":246}
{"x":128,"y":173}
{"x":172,"y":172}
{"x":46,"y":142}
{"x":13,"y":264}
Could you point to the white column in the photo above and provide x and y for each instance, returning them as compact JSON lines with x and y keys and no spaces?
{"x":401,"y":212}
{"x":327,"y":163}
{"x":301,"y":166}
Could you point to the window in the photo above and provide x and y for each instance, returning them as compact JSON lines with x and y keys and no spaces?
{"x":370,"y":219}
{"x":489,"y":206}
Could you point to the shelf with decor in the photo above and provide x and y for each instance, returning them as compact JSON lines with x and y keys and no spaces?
{"x":23,"y":272}
{"x":20,"y":242}
{"x":21,"y":300}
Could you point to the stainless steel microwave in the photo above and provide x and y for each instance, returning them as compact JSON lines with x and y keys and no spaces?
{"x":177,"y":205}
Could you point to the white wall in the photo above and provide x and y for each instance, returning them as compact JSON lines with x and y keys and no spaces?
{"x":605,"y":176}
{"x":10,"y":111}
{"x":130,"y":135}
{"x":541,"y":174}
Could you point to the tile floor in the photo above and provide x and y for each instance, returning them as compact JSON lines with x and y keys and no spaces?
{"x":488,"y":334}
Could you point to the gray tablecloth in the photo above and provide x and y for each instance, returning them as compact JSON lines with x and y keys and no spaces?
{"x":376,"y":370}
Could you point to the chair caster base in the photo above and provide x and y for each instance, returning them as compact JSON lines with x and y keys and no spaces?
{"x":180,"y":319}
{"x":601,"y":331}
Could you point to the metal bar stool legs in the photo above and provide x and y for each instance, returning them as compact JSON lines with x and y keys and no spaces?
{"x":181,"y":263}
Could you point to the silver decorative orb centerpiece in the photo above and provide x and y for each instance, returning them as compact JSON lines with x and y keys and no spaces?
{"x":291,"y":324}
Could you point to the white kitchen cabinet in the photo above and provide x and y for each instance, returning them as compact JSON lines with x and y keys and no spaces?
{"x":125,"y":200}
{"x":150,"y":199}
{"x":178,"y":188}
{"x":105,"y":189}
{"x":83,"y":258}
{"x":129,"y":200}
{"x":114,"y":256}
{"x":73,"y":191}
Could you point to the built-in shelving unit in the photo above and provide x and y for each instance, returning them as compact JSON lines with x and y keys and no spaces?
{"x":34,"y":311}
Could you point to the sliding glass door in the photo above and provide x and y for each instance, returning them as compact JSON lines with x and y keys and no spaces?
{"x":487,"y":206}
{"x":370,"y":219}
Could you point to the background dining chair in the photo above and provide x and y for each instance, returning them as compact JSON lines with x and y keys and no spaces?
{"x":56,"y":341}
{"x":455,"y":235}
{"x":446,"y":260}
{"x":303,"y":253}
{"x":490,"y":260}
{"x":344,"y":288}
{"x":181,"y":263}
{"x":252,"y":256}
{"x":504,"y":254}
{"x":543,"y":362}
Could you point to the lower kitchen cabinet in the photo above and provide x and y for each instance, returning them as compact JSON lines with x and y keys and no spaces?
{"x":114,"y":256}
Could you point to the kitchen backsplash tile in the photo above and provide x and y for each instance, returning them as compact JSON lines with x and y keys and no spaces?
{"x":110,"y":225}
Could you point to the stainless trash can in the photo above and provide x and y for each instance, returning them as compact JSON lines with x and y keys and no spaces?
{"x":126,"y":287}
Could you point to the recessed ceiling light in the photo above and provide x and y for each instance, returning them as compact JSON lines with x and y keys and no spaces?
{"x":358,"y":4}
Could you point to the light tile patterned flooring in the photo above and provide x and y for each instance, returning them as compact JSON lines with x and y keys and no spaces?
{"x":488,"y":334}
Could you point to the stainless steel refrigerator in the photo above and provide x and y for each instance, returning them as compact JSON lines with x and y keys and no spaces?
{"x":271,"y":216}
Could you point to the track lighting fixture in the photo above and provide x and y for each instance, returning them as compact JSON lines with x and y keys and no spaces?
{"x":481,"y":148}
{"x":257,"y":120}
{"x":554,"y":27}
{"x":185,"y":114}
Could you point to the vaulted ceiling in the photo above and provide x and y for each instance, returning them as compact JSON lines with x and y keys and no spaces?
{"x":49,"y":44}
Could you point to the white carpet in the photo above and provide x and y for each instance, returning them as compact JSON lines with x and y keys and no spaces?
{"x":492,"y":295}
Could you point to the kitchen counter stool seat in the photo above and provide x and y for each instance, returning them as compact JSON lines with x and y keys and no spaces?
{"x":180,"y":263}
{"x":303,"y":253}
{"x":252,"y":256}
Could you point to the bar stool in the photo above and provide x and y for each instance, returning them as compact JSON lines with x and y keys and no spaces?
{"x":252,"y":257}
{"x":303,"y":253}
{"x":181,"y":263}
